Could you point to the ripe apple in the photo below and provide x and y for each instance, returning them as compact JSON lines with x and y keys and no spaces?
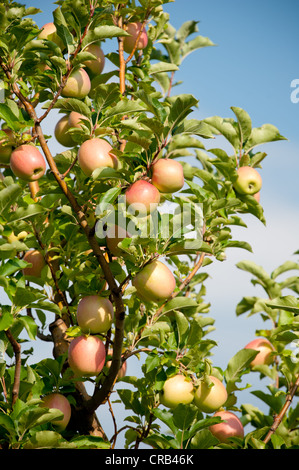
{"x":49,"y":32}
{"x":27,"y":163}
{"x":95,"y":314}
{"x":249,"y":181}
{"x":129,"y":41}
{"x":61,"y":134}
{"x":265,"y":348}
{"x":6,"y":146}
{"x":115,"y":234}
{"x":86,"y":355}
{"x":95,"y":153}
{"x":168,"y":175}
{"x":209,"y":399}
{"x":37,"y":260}
{"x":176,"y":390}
{"x":78,"y":85}
{"x":96,"y":66}
{"x":155,"y":282}
{"x":142,"y":197}
{"x":59,"y":402}
{"x":122,"y":371}
{"x":231,"y":427}
{"x":257,"y":196}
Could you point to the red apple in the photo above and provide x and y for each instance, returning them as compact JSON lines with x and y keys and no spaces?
{"x":115,"y":234}
{"x":129,"y":41}
{"x":209,"y":399}
{"x":249,"y":181}
{"x":96,"y":66}
{"x":86,"y":355}
{"x":122,"y":371}
{"x":6,"y":146}
{"x":167,"y":175}
{"x":176,"y":390}
{"x":95,"y":314}
{"x":27,"y":163}
{"x":59,"y":402}
{"x":78,"y":85}
{"x":231,"y":427}
{"x":95,"y":153}
{"x":155,"y":282}
{"x":265,"y":348}
{"x":257,"y":196}
{"x":38,"y":262}
{"x":49,"y":32}
{"x":142,"y":197}
{"x":61,"y":134}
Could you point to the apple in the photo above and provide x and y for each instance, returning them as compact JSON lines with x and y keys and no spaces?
{"x":96,"y":66}
{"x":177,"y":389}
{"x":61,"y":134}
{"x":6,"y":146}
{"x":74,"y":119}
{"x":59,"y":402}
{"x":49,"y":32}
{"x":142,"y":197}
{"x":209,"y":399}
{"x":129,"y":41}
{"x":123,"y":369}
{"x":86,"y":355}
{"x":155,"y":282}
{"x":257,"y":196}
{"x":265,"y":355}
{"x":37,"y":260}
{"x":95,"y":314}
{"x":95,"y":153}
{"x":115,"y":234}
{"x":78,"y":85}
{"x":249,"y":180}
{"x":231,"y":427}
{"x":27,"y":163}
{"x":167,"y":175}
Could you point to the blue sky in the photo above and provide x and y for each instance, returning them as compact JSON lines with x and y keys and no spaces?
{"x":252,"y":66}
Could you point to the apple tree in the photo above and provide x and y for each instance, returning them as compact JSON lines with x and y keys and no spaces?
{"x":105,"y":247}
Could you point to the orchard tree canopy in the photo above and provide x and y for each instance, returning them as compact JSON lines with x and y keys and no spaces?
{"x":105,"y":247}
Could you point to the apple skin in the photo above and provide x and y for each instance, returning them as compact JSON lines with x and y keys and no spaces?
{"x":155,"y":282}
{"x":95,"y":314}
{"x":49,"y":32}
{"x":60,"y":132}
{"x":27,"y":163}
{"x":249,"y":181}
{"x":142,"y":197}
{"x":38,"y":262}
{"x":176,"y":390}
{"x":86,"y":356}
{"x":6,"y":147}
{"x":115,"y":234}
{"x":95,"y":153}
{"x":265,"y":348}
{"x":74,"y":119}
{"x":59,"y":402}
{"x":167,"y":175}
{"x":122,"y":371}
{"x":210,"y":399}
{"x":257,"y":196}
{"x":232,"y":427}
{"x":129,"y":41}
{"x":78,"y":85}
{"x":96,"y":66}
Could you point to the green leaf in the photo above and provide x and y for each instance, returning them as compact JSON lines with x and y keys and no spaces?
{"x":179,"y":303}
{"x":244,"y":122}
{"x":8,"y":196}
{"x":161,"y":67}
{"x":261,"y":135}
{"x":181,"y":107}
{"x":236,"y":366}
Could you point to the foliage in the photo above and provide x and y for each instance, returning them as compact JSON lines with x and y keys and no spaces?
{"x":64,"y":214}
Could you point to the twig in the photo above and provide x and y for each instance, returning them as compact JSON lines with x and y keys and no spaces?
{"x":278,"y":419}
{"x":17,"y":352}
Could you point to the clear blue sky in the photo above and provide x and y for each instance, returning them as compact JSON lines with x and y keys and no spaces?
{"x":252,"y":66}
